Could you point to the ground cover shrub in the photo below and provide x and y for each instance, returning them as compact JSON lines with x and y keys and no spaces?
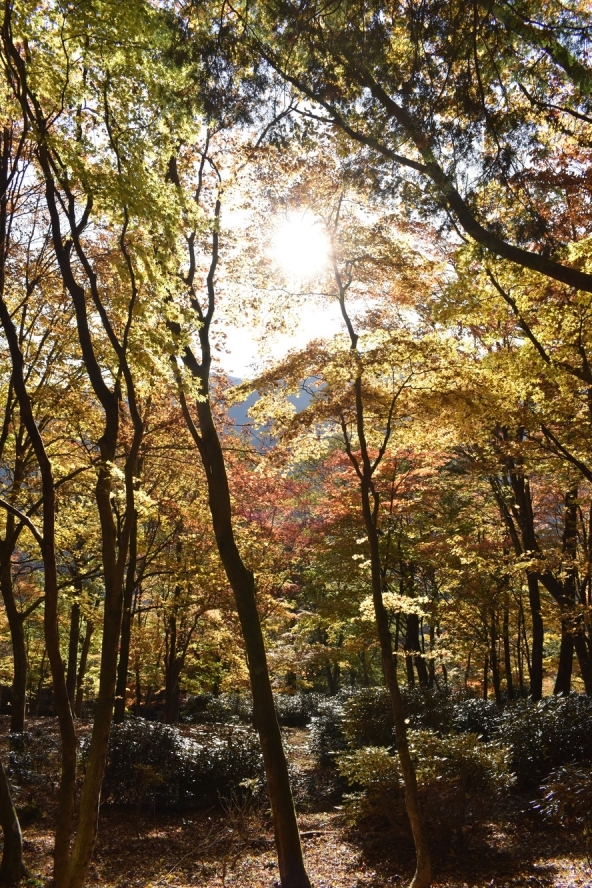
{"x":204,"y":709}
{"x":34,"y":758}
{"x":368,"y":718}
{"x":546,"y":735}
{"x":429,"y":708}
{"x":567,"y":799}
{"x":296,"y":710}
{"x":473,"y":715}
{"x":293,"y":710}
{"x":152,"y":763}
{"x":364,"y":717}
{"x":194,"y":707}
{"x":458,"y":777}
{"x":326,"y":736}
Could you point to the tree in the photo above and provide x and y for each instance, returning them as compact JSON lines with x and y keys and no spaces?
{"x":446,"y":102}
{"x":365,"y":392}
{"x":96,"y":173}
{"x":196,"y":387}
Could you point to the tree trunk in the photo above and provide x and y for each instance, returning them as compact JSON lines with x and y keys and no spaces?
{"x":17,"y":637}
{"x":333,"y":674}
{"x":564,"y":669}
{"x":138,"y":691}
{"x":432,"y":680}
{"x":519,"y":660}
{"x":495,"y":674}
{"x":507,"y":654}
{"x":413,"y":651}
{"x":370,"y":509}
{"x":538,"y":638}
{"x":126,"y":627}
{"x":12,"y":868}
{"x":291,"y":864}
{"x":73,"y":653}
{"x":423,"y":872}
{"x":583,"y":656}
{"x":46,"y":542}
{"x":486,"y":677}
{"x":172,"y":673}
{"x":82,"y":669}
{"x":519,"y":520}
{"x":468,"y":669}
{"x":80,"y":856}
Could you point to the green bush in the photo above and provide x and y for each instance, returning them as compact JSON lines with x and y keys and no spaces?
{"x":567,"y":798}
{"x":476,"y":716}
{"x":365,"y":718}
{"x":226,"y":709}
{"x":293,"y":710}
{"x":148,"y":762}
{"x":546,"y":735}
{"x":458,"y":777}
{"x":34,"y":757}
{"x":368,"y":718}
{"x":326,"y":736}
{"x":296,"y":710}
{"x":429,"y":708}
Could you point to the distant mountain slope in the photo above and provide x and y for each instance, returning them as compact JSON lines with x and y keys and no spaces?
{"x":238,"y":413}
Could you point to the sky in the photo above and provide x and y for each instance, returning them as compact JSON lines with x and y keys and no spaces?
{"x":246,"y":354}
{"x":300,"y":250}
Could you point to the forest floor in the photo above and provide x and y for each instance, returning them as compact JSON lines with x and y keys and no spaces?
{"x":233,"y":848}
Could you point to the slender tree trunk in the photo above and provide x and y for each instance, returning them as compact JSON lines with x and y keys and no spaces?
{"x":423,"y":872}
{"x":538,"y":638}
{"x":126,"y":626}
{"x":73,"y":653}
{"x":486,"y":677}
{"x":332,"y":674}
{"x":563,"y":587}
{"x":413,"y":651}
{"x":12,"y":869}
{"x":17,"y":637}
{"x":495,"y":674}
{"x":242,"y":582}
{"x":82,"y":669}
{"x":507,"y":653}
{"x":584,"y":661}
{"x":432,"y":680}
{"x":370,"y":510}
{"x":172,"y":673}
{"x":365,"y":670}
{"x":81,"y":854}
{"x":40,"y":680}
{"x":564,"y":669}
{"x":519,"y":660}
{"x":468,"y":669}
{"x":45,"y":538}
{"x":138,"y":690}
{"x":520,"y":524}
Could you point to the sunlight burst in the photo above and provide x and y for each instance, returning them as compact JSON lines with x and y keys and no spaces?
{"x":300,"y":247}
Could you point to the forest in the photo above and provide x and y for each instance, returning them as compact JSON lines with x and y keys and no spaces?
{"x":296,"y":443}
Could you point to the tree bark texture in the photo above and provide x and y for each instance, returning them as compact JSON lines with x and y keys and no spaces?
{"x":507,"y":654}
{"x":82,"y":668}
{"x":12,"y":868}
{"x":73,"y":641}
{"x":291,"y":864}
{"x":17,"y":637}
{"x":126,"y":626}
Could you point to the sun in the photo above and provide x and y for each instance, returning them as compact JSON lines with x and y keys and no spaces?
{"x":300,"y":247}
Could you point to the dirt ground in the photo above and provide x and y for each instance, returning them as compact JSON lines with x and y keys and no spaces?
{"x":234,"y":847}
